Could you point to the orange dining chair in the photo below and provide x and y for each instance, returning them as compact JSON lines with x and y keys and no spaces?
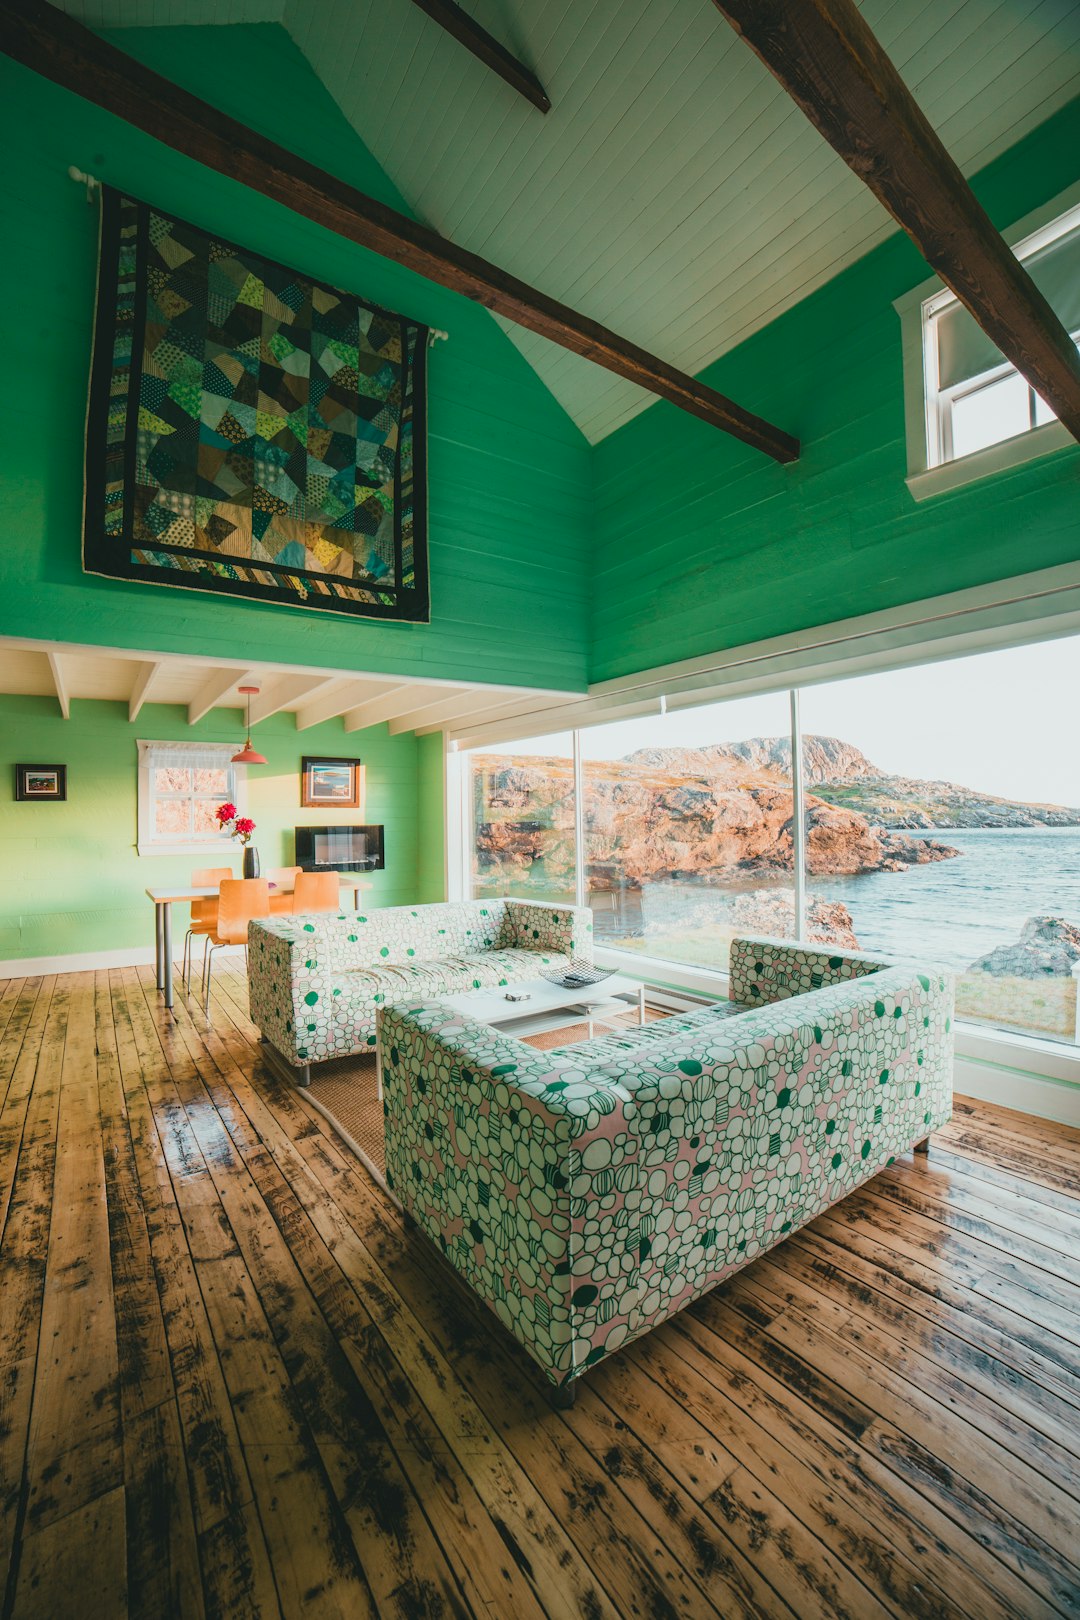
{"x":203,"y":913}
{"x":240,"y":901}
{"x":316,"y":891}
{"x":281,"y":897}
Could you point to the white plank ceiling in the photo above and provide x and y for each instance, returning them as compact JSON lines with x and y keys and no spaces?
{"x":673,"y":192}
{"x":67,"y":672}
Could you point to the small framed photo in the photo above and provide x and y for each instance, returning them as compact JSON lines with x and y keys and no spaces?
{"x":329,"y":782}
{"x":41,"y":781}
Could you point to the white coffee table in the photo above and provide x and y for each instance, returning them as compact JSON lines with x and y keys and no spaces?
{"x":596,"y":1004}
{"x":533,"y":1001}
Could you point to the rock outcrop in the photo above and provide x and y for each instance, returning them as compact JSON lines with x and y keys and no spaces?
{"x":1047,"y":946}
{"x":708,"y":814}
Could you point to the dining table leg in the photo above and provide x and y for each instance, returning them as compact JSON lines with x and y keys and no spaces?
{"x":159,"y":953}
{"x":166,"y":952}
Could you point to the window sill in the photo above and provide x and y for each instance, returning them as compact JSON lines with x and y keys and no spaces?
{"x":1040,"y":441}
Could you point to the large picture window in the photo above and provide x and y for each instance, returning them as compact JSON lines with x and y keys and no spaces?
{"x":935,"y":817}
{"x":688,"y":829}
{"x":521,"y":820}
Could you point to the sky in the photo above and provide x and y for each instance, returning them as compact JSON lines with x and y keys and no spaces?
{"x":1006,"y":723}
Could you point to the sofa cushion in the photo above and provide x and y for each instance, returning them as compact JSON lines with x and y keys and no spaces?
{"x":450,"y":975}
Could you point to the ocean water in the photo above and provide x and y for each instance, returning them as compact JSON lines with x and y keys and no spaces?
{"x":953,"y":911}
{"x":958,"y":910}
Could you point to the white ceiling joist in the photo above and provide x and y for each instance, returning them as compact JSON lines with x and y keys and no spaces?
{"x":215,"y":688}
{"x":140,"y":690}
{"x":437,"y":716}
{"x":337,"y":699}
{"x":284,"y":691}
{"x":56,"y":669}
{"x":397,"y":700}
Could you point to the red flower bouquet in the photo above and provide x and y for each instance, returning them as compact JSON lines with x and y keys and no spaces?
{"x":239,"y":826}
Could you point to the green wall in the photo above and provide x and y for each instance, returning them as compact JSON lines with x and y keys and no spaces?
{"x":701,"y":544}
{"x":73,"y":878}
{"x":509,"y":473}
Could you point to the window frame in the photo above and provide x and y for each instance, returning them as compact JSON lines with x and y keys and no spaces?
{"x":931,"y":470}
{"x":149,"y":843}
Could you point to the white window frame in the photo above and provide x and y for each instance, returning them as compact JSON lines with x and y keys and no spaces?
{"x":148,"y":842}
{"x":931,"y":468}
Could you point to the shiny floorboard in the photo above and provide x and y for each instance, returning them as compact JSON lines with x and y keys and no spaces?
{"x":232,"y":1384}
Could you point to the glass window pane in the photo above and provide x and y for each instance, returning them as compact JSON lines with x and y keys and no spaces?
{"x":1043,"y":413}
{"x":205,"y":822}
{"x":944,"y":811}
{"x":172,"y":779}
{"x":688,"y":821}
{"x":988,"y":415}
{"x":212,"y":781}
{"x":172,"y":818}
{"x":522,"y":798}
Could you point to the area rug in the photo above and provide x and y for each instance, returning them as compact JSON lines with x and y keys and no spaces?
{"x":343,"y":1091}
{"x":251,"y":431}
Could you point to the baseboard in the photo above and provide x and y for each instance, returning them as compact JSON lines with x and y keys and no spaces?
{"x":1011,"y":1088}
{"x":31,"y":967}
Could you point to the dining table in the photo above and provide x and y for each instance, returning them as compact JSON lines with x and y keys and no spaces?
{"x":165,"y":897}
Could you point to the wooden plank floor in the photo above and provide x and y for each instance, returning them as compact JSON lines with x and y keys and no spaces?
{"x":232,"y":1384}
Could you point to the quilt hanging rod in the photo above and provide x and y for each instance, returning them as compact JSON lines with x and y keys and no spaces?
{"x":92,"y":183}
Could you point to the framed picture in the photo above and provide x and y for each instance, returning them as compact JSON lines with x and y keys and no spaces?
{"x":41,"y":781}
{"x":328,"y":782}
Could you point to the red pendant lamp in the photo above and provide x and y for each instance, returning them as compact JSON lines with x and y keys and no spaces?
{"x":247,"y":754}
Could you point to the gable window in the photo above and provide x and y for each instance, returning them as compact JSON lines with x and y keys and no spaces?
{"x":969,"y":411}
{"x":180,"y":788}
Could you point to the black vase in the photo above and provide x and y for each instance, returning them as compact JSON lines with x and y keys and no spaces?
{"x":251,"y":861}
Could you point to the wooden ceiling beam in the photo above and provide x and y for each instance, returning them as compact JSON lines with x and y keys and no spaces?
{"x":59,"y":680}
{"x":828,"y":60}
{"x":437,"y":716}
{"x":55,"y":45}
{"x":214,"y":690}
{"x":285,"y":691}
{"x":140,"y":689}
{"x":487,"y":49}
{"x":398,"y":700}
{"x":335,"y":699}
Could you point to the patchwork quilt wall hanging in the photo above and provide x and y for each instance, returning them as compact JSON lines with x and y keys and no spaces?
{"x":251,"y":431}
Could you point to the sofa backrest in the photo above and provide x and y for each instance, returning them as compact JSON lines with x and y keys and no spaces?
{"x":345,"y":941}
{"x":767,"y":970}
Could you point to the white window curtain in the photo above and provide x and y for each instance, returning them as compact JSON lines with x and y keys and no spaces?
{"x":196,"y":756}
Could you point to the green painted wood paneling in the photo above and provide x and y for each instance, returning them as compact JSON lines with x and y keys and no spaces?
{"x":73,"y":877}
{"x":509,"y":473}
{"x":701,"y":544}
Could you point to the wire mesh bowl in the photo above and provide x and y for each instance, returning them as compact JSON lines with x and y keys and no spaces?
{"x":580,"y":975}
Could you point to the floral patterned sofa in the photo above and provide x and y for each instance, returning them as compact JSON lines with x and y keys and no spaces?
{"x":590,"y":1192}
{"x":316,"y":982}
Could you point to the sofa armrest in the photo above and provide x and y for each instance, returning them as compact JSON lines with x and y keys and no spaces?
{"x":530,"y":925}
{"x":292,"y":986}
{"x":767,"y":970}
{"x":478,"y":1132}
